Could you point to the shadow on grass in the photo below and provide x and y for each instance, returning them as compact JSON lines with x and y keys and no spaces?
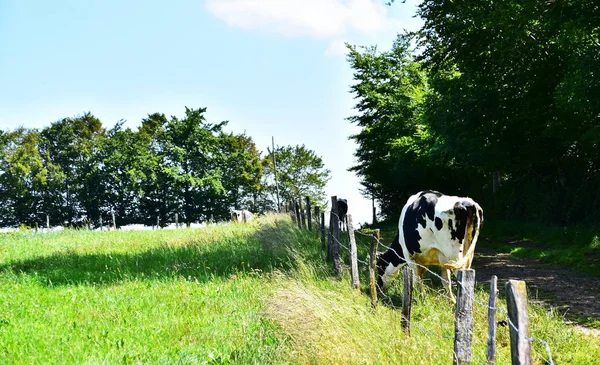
{"x":198,"y":261}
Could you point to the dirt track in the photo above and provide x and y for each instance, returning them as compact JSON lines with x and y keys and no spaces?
{"x":575,"y":295}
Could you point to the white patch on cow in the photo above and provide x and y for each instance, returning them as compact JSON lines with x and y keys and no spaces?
{"x":390,"y":272}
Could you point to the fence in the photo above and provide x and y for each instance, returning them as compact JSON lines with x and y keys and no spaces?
{"x":516,"y":293}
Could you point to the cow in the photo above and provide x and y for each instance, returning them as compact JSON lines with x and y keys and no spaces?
{"x":434,"y":229}
{"x":243,"y":216}
{"x":342,"y":210}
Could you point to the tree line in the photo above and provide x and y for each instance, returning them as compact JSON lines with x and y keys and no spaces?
{"x":77,"y":171}
{"x":497,"y":100}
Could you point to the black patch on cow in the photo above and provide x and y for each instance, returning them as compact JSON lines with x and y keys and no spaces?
{"x":424,"y":205}
{"x":438,"y":223}
{"x":460,"y":214}
{"x":393,"y":255}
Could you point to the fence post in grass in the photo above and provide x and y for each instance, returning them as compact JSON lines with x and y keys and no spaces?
{"x":308,"y":213}
{"x":335,"y":242}
{"x":158,"y":222}
{"x":373,"y":267}
{"x":302,"y":214}
{"x":176,"y":220}
{"x":353,"y":254}
{"x":491,"y":344}
{"x":47,"y":221}
{"x":317,"y":216}
{"x":463,"y":320}
{"x":114,"y":223}
{"x":407,"y":299}
{"x":516,"y":303}
{"x":101,"y":222}
{"x":323,"y":231}
{"x":36,"y":227}
{"x":298,"y":220}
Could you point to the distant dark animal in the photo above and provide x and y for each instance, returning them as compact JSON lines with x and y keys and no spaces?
{"x":241,"y":216}
{"x":342,"y":210}
{"x":434,"y":229}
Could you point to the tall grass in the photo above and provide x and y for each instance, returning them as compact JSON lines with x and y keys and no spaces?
{"x":244,"y":294}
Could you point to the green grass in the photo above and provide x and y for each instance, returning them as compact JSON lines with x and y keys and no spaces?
{"x":237,"y":294}
{"x":575,"y":247}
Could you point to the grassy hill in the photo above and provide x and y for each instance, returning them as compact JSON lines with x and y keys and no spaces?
{"x":243,"y":294}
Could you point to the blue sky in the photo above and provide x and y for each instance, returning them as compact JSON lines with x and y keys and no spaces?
{"x":270,"y":67}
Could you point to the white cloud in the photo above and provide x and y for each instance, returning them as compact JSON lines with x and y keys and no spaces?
{"x":321,"y":19}
{"x":337,"y":47}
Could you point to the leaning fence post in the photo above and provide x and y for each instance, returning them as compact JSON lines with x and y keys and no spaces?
{"x":353,"y":254}
{"x":518,"y":321}
{"x":373,"y":267}
{"x":463,"y":321}
{"x":335,"y":242}
{"x":407,"y":299}
{"x":308,"y":213}
{"x":491,"y":344}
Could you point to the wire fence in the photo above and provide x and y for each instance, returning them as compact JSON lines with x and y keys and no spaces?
{"x":389,"y":301}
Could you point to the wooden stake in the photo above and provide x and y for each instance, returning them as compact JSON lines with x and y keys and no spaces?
{"x":308,"y":213}
{"x":407,"y":299}
{"x":335,"y":232}
{"x":353,"y":255}
{"x":373,"y":267}
{"x":323,"y":231}
{"x":463,"y":320}
{"x":491,"y":344}
{"x":516,"y":303}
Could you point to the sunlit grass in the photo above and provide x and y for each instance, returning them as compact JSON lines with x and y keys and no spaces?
{"x":244,"y":294}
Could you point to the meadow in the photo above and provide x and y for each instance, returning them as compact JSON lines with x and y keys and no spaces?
{"x":259,"y":293}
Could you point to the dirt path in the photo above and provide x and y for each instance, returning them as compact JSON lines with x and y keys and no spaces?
{"x":576,"y":295}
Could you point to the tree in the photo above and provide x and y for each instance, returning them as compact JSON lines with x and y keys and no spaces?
{"x":300,"y":173}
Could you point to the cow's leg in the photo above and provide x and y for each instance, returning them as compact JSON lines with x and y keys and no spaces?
{"x":446,"y":275}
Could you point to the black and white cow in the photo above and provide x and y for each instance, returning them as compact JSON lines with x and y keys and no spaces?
{"x":241,"y":216}
{"x":434,"y":229}
{"x":342,"y":210}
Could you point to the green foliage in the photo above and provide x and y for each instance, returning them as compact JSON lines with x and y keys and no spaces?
{"x":300,"y":173}
{"x":511,"y":87}
{"x":81,"y":173}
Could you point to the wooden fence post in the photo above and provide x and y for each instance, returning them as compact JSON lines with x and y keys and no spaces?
{"x":318,"y":216}
{"x":323,"y":231}
{"x":297,"y":209}
{"x":516,"y":303}
{"x":407,"y":299}
{"x":491,"y":344}
{"x":114,"y":223}
{"x":47,"y":221}
{"x":353,"y":255}
{"x":36,"y":227}
{"x":463,"y":320}
{"x":100,"y":221}
{"x":308,"y":213}
{"x":302,"y":214}
{"x":373,"y":267}
{"x":176,"y":220}
{"x":158,"y":222}
{"x":335,"y":242}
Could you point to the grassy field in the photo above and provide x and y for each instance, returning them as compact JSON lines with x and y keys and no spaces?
{"x":236,"y":294}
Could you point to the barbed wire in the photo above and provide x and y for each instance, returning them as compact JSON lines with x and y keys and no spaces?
{"x":531,"y":339}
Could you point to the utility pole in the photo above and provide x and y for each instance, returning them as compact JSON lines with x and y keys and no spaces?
{"x":275,"y":170}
